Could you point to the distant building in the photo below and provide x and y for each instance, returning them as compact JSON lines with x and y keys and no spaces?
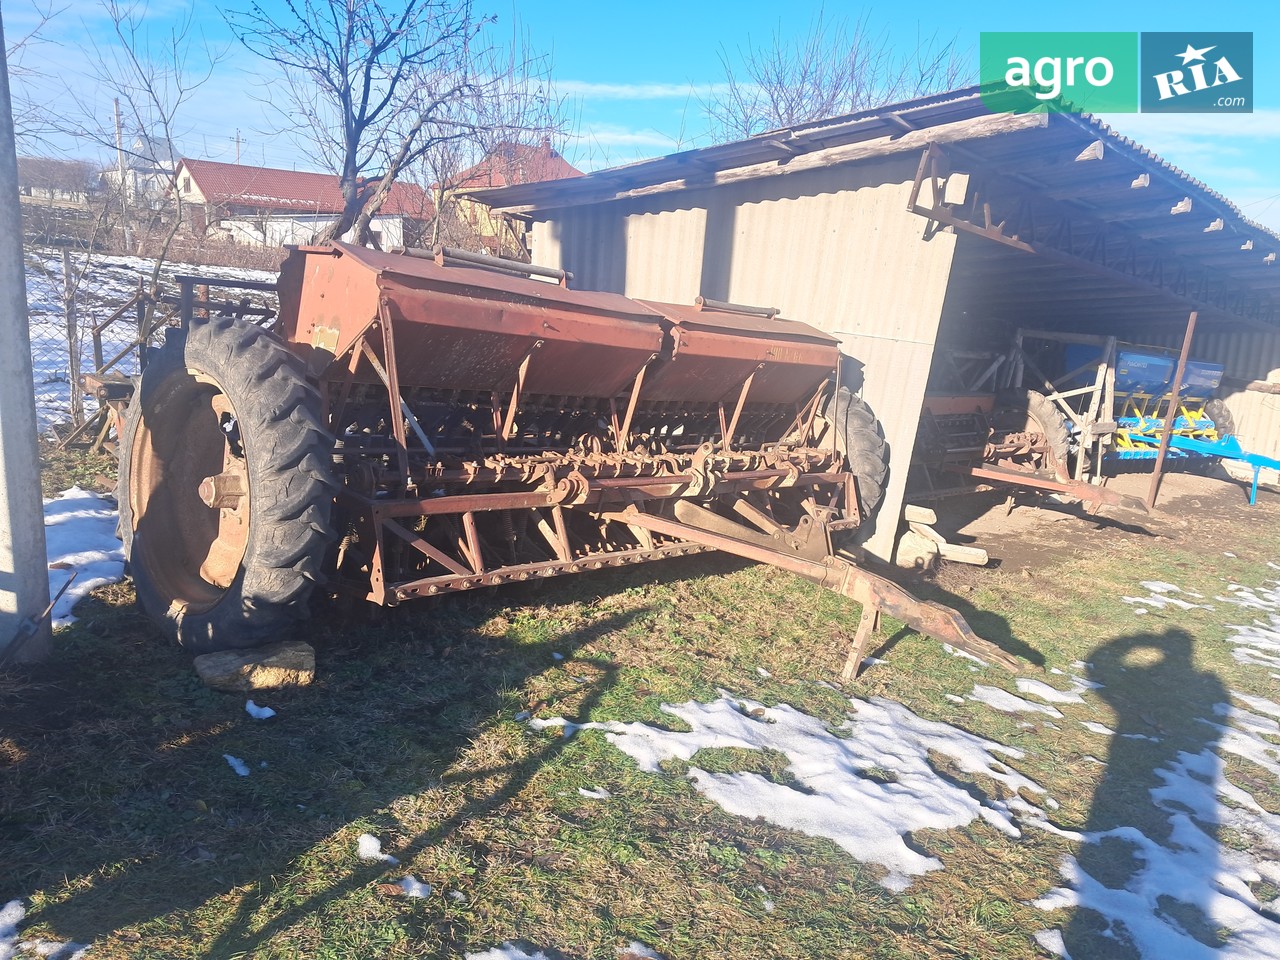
{"x":267,"y":207}
{"x":148,"y":173}
{"x":60,"y":182}
{"x":508,"y":164}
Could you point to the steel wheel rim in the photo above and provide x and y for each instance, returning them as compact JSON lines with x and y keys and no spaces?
{"x":194,"y":549}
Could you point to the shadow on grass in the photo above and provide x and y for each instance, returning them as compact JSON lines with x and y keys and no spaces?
{"x":1161,"y":702}
{"x":120,"y":811}
{"x":119,"y":807}
{"x":987,"y":624}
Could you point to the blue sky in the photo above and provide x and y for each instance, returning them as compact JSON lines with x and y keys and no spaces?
{"x":634,"y":74}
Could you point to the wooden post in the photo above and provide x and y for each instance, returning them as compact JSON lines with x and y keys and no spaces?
{"x":1109,"y":406}
{"x":73,"y":338}
{"x":1172,"y":413}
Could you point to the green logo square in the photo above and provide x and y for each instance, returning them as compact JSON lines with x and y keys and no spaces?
{"x":1197,"y":73}
{"x":1060,"y":72}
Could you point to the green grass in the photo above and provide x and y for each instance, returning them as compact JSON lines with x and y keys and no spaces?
{"x":114,"y":787}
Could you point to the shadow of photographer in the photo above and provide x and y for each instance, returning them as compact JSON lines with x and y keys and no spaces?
{"x":1132,"y":877}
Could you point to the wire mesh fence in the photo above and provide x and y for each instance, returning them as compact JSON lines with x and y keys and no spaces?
{"x":86,"y":315}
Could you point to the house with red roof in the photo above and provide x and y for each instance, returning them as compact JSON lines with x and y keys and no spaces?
{"x":269,"y":207}
{"x":505,"y":165}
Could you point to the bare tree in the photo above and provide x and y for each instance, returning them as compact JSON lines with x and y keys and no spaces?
{"x":152,"y":74}
{"x":837,"y":67}
{"x":376,"y":86}
{"x":31,"y":121}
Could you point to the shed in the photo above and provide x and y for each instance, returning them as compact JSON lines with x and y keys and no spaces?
{"x":928,"y":222}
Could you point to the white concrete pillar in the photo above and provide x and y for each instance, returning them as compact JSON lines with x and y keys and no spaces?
{"x":24,"y":576}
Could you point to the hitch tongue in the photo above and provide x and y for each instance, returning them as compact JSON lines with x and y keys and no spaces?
{"x":876,"y":594}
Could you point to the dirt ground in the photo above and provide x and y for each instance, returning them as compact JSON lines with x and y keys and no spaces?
{"x":1192,"y":509}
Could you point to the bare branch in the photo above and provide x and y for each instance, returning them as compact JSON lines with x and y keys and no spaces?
{"x":837,"y":67}
{"x":374,"y":86}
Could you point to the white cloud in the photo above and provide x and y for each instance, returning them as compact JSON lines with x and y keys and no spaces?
{"x":588,"y":90}
{"x":614,"y":135}
{"x":1147,"y":128}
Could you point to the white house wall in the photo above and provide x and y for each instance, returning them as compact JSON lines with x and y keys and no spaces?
{"x":835,"y":248}
{"x":278,"y":231}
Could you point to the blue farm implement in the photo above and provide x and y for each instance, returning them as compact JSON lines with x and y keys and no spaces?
{"x":1226,"y":448}
{"x":1143,"y":383}
{"x":1114,"y":400}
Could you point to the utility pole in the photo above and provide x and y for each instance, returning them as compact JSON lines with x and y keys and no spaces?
{"x":237,"y":146}
{"x":123,"y":172}
{"x":24,"y":575}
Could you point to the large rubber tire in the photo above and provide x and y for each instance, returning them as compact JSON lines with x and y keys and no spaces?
{"x":860,"y":438}
{"x":225,"y":397}
{"x":1043,"y":417}
{"x":1223,"y":422}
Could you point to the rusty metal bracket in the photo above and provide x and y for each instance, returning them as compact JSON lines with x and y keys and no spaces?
{"x":521,"y":373}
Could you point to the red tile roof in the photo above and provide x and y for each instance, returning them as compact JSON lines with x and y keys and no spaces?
{"x":266,"y":188}
{"x":512,"y":163}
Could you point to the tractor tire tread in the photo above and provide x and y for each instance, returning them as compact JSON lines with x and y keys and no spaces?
{"x":288,"y":457}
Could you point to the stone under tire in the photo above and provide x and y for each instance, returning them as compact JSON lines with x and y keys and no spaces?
{"x":1043,"y":417}
{"x":220,"y":397}
{"x":860,"y":438}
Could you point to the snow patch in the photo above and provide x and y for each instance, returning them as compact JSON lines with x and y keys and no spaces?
{"x":568,"y":728}
{"x":636,"y":950}
{"x":963,"y":654}
{"x":508,"y":951}
{"x":10,"y":916}
{"x":369,"y":847}
{"x":1038,"y":688}
{"x":1006,"y":702}
{"x":598,"y":794}
{"x":1193,"y":869}
{"x":80,"y":537}
{"x":10,"y":946}
{"x":235,"y":763}
{"x":257,"y":712}
{"x":414,"y":888}
{"x":1094,"y":727}
{"x":1161,"y":595}
{"x":1258,"y":643}
{"x":1051,"y":940}
{"x":865,"y":793}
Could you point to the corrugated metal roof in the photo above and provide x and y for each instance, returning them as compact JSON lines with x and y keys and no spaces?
{"x":773,"y":145}
{"x":1115,"y":138}
{"x":888,"y":123}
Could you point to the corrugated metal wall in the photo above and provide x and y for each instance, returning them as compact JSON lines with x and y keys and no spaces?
{"x":1246,"y":355}
{"x":835,"y":248}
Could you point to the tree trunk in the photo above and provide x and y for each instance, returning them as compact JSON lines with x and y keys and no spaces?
{"x":354,"y":195}
{"x":363,"y":234}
